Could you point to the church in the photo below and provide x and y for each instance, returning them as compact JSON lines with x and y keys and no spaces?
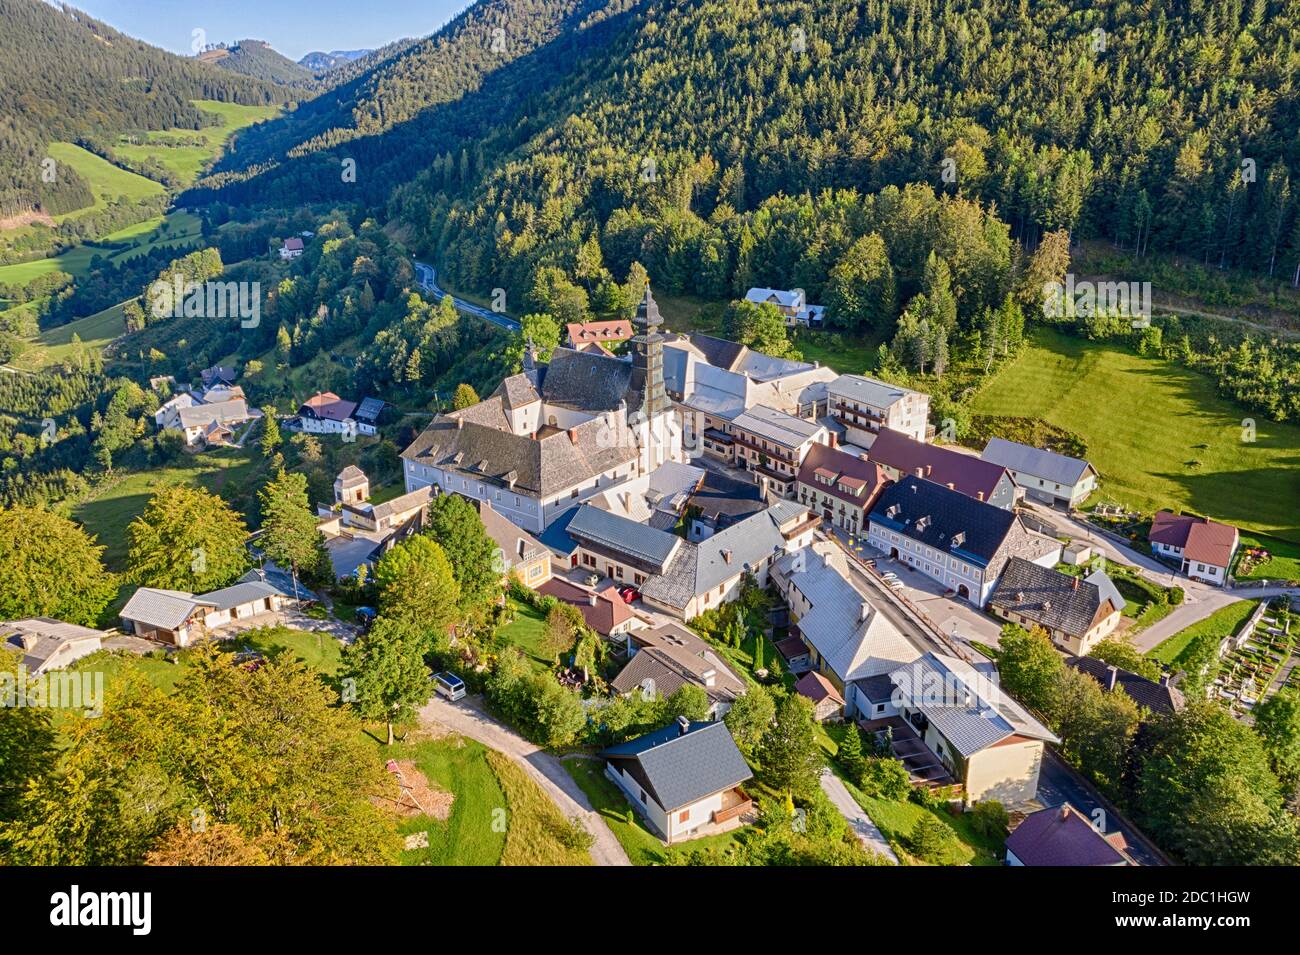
{"x":557,"y":433}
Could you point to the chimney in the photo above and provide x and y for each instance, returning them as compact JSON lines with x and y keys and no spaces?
{"x":864,"y":611}
{"x":1164,"y":679}
{"x":928,"y":470}
{"x":460,"y":423}
{"x":573,"y":436}
{"x":1020,"y":596}
{"x":1075,"y":585}
{"x":979,"y":495}
{"x":1112,"y":677}
{"x":726,"y":556}
{"x":920,"y":472}
{"x":952,"y":486}
{"x":1065,"y":811}
{"x":710,"y":677}
{"x":683,"y":726}
{"x":591,"y":598}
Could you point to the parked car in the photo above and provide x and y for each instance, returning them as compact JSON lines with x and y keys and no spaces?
{"x":366,"y":616}
{"x":449,"y":685}
{"x":592,"y":579}
{"x":629,"y":594}
{"x":895,"y":584}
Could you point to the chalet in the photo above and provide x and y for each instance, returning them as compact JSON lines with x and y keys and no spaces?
{"x":327,"y":413}
{"x":772,"y":446}
{"x":863,"y":406}
{"x":792,"y":305}
{"x":1046,"y":476}
{"x":1202,"y":548}
{"x":839,"y":486}
{"x":1062,"y":836}
{"x":956,"y":540}
{"x":44,"y":644}
{"x":168,"y":415}
{"x":682,"y":777}
{"x":181,"y":619}
{"x":211,"y":425}
{"x":899,"y":455}
{"x":292,"y":248}
{"x":1074,"y":612}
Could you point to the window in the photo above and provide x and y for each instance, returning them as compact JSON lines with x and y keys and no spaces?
{"x":686,"y":814}
{"x":643,"y":795}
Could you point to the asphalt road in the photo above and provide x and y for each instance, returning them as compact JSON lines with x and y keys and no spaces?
{"x":426,"y":276}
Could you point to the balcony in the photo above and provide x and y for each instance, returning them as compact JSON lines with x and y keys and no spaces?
{"x":734,"y":804}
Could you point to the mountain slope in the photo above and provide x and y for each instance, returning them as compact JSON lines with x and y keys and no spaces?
{"x":257,"y":59}
{"x":319,"y":62}
{"x":64,"y":75}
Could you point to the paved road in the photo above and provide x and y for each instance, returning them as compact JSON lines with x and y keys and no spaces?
{"x":1058,"y":783}
{"x":426,"y":275}
{"x":468,"y":718}
{"x":867,"y":832}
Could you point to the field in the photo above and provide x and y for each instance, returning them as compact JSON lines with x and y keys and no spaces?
{"x":1225,"y":621}
{"x":182,"y":229}
{"x":527,"y":632}
{"x":106,"y":181}
{"x":174,"y":150}
{"x":1160,"y":435}
{"x":94,"y":331}
{"x":234,"y":473}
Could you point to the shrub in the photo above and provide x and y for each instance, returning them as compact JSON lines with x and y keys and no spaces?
{"x":1176,"y":595}
{"x":931,"y":840}
{"x":989,"y":818}
{"x":885,"y":777}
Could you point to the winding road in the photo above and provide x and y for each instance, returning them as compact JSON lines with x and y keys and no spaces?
{"x":426,"y":275}
{"x":468,"y":718}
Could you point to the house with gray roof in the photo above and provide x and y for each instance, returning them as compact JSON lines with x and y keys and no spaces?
{"x":668,"y":657}
{"x":201,"y":424}
{"x":45,"y":644}
{"x":1072,"y":611}
{"x":181,"y":618}
{"x":862,"y":406}
{"x":1048,"y":477}
{"x":987,"y":741}
{"x":704,"y":574}
{"x":771,"y":445}
{"x":682,"y":777}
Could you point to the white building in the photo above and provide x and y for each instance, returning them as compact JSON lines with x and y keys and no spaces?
{"x":865,"y":405}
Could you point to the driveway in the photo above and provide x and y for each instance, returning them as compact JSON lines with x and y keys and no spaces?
{"x":868,"y":834}
{"x":468,"y":718}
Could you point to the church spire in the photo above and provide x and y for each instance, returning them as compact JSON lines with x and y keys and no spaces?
{"x":648,"y":392}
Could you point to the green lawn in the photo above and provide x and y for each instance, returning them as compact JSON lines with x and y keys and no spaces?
{"x":1160,"y":435}
{"x":55,"y":344}
{"x":1283,"y":562}
{"x":174,"y":150}
{"x":1225,"y":621}
{"x":183,"y":229}
{"x":641,"y":845}
{"x":527,"y":632}
{"x":234,"y":473}
{"x":106,"y":181}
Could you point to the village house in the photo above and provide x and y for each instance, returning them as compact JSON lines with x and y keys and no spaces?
{"x":218,"y":375}
{"x":669,"y":656}
{"x":519,"y":553}
{"x":292,"y":248}
{"x":182,"y":619}
{"x":597,"y":336}
{"x":984,"y":740}
{"x":771,"y":445}
{"x":839,"y":486}
{"x":846,"y":636}
{"x":1203,"y":549}
{"x":719,"y":502}
{"x":1062,"y":836}
{"x":899,"y":454}
{"x":1159,"y":696}
{"x":44,"y":644}
{"x":956,"y":540}
{"x":863,"y":406}
{"x":1074,"y":612}
{"x":368,"y":414}
{"x":556,"y":434}
{"x":605,"y":611}
{"x":792,"y":305}
{"x":1045,"y":476}
{"x":327,"y":413}
{"x":825,"y":698}
{"x":682,"y":777}
{"x":212,"y":425}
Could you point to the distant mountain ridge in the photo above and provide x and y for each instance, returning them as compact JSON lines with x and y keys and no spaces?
{"x":258,"y":59}
{"x":319,"y":62}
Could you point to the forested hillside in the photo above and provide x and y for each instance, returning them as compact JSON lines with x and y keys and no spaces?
{"x":257,"y":59}
{"x":64,"y":75}
{"x":1128,"y":121}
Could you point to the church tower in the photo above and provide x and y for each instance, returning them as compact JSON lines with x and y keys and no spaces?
{"x":651,"y":411}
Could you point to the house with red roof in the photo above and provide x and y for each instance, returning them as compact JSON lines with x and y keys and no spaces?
{"x":1202,"y":548}
{"x":291,"y":249}
{"x":839,"y":486}
{"x":596,"y":336}
{"x":327,"y":413}
{"x":604,"y":610}
{"x":1063,"y":836}
{"x":900,"y":455}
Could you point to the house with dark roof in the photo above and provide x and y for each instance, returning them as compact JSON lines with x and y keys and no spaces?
{"x":1072,"y":611}
{"x":218,"y":374}
{"x":839,"y":486}
{"x":1203,"y":549}
{"x":557,"y":433}
{"x":368,"y":414}
{"x":669,"y":656}
{"x":519,"y":553}
{"x":792,"y":304}
{"x":1062,"y":836}
{"x":682,"y":777}
{"x":45,"y":644}
{"x":1158,"y":696}
{"x":900,"y":454}
{"x":719,"y":502}
{"x":985,"y":740}
{"x":863,"y":406}
{"x":956,"y":540}
{"x":1055,"y":479}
